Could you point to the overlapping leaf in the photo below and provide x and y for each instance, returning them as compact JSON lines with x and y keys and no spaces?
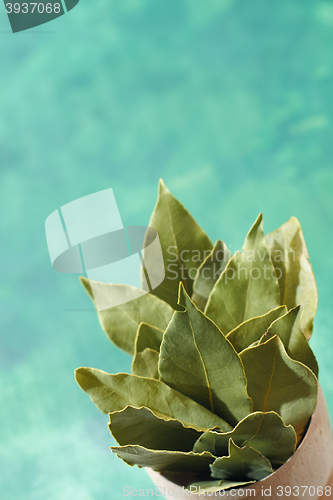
{"x":198,"y":361}
{"x":120,"y":323}
{"x":241,"y":464}
{"x":245,"y":347}
{"x":253,"y":329}
{"x":145,"y":364}
{"x":288,"y":328}
{"x":140,"y":426}
{"x":264,"y":432}
{"x":296,"y":279}
{"x":114,"y":392}
{"x":183,"y":244}
{"x":247,"y":287}
{"x":162,"y":460}
{"x":209,"y":272}
{"x":278,"y":383}
{"x":148,"y":336}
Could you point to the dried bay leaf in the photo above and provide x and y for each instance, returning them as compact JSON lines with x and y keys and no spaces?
{"x":163,"y":460}
{"x":140,"y":426}
{"x":252,"y":330}
{"x":145,"y":364}
{"x":288,"y":328}
{"x":247,"y":287}
{"x":209,"y":272}
{"x":114,"y":392}
{"x":120,"y":323}
{"x":198,"y":361}
{"x":296,"y":279}
{"x":278,"y":383}
{"x":264,"y":432}
{"x":184,"y":245}
{"x":148,"y":336}
{"x":241,"y":464}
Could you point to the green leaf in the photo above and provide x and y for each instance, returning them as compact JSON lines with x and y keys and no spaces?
{"x":209,"y":272}
{"x":247,"y":287}
{"x":120,"y":323}
{"x":140,"y":426}
{"x":198,"y":361}
{"x":252,"y":330}
{"x":148,"y":336}
{"x":163,"y":460}
{"x":264,"y":432}
{"x":115,"y":392}
{"x":200,"y":487}
{"x":296,"y":279}
{"x":288,"y":328}
{"x":241,"y":464}
{"x":183,"y":244}
{"x":145,"y":364}
{"x":278,"y":383}
{"x":147,"y":346}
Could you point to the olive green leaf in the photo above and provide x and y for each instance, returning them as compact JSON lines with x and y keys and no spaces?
{"x":115,"y":392}
{"x":164,"y":460}
{"x":214,"y":486}
{"x":183,"y":244}
{"x":264,"y":432}
{"x":139,"y":426}
{"x":254,"y":344}
{"x":241,"y":464}
{"x":209,"y":272}
{"x":198,"y":361}
{"x":145,"y":364}
{"x":288,"y":328}
{"x":252,"y":330}
{"x":247,"y":287}
{"x":120,"y":323}
{"x":148,"y":336}
{"x":278,"y":383}
{"x":290,"y":258}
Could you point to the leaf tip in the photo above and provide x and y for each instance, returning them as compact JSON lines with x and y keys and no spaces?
{"x":183,"y":297}
{"x":162,"y":189}
{"x":295,"y":221}
{"x":82,"y":378}
{"x":259,"y":220}
{"x":85,"y":282}
{"x":77,"y":374}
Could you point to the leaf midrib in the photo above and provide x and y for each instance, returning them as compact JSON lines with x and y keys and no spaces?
{"x":176,"y":244}
{"x":250,"y":281}
{"x":270,"y":380}
{"x":204,"y":367}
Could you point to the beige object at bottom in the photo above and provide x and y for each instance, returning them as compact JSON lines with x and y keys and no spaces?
{"x":310,"y":468}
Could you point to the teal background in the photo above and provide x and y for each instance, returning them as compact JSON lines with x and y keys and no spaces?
{"x":230,"y":102}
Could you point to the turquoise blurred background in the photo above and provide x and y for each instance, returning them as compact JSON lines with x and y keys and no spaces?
{"x":230,"y":102}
